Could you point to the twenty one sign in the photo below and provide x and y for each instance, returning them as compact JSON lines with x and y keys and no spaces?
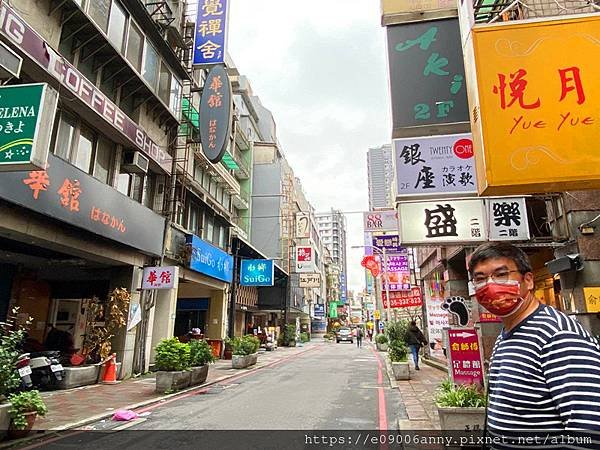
{"x":160,"y":277}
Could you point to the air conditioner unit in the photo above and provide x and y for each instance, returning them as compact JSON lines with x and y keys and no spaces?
{"x":135,"y":162}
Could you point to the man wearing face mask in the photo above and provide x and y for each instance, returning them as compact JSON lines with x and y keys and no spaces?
{"x":545,"y":367}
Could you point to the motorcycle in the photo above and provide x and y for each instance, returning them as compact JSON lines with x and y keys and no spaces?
{"x":46,"y":370}
{"x":25,"y":371}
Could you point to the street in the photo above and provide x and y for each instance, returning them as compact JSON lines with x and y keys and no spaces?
{"x":329,"y":387}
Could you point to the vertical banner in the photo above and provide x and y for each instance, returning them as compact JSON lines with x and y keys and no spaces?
{"x":437,"y":319}
{"x":465,"y":356}
{"x":302,"y":225}
{"x":210,"y":38}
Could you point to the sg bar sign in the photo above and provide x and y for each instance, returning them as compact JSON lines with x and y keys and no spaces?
{"x":26,"y":117}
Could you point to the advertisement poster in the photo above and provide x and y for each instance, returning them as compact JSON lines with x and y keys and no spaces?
{"x":437,"y":320}
{"x":465,"y":356}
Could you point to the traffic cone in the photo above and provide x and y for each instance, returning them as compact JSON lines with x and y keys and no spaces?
{"x":110,"y":370}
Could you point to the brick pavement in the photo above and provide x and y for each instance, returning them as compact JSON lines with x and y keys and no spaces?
{"x":74,"y":408}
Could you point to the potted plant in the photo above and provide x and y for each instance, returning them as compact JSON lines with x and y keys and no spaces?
{"x":24,"y":409}
{"x":288,"y":337}
{"x":244,"y":351}
{"x":200,"y":356}
{"x":381,"y":341}
{"x":172,"y":361}
{"x":304,"y":337}
{"x":398,"y":354}
{"x":228,"y":348}
{"x":461,"y":407}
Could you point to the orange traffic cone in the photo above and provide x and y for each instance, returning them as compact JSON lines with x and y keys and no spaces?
{"x":110,"y":370}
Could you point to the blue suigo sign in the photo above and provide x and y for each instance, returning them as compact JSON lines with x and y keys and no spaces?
{"x":257,"y":272}
{"x":209,"y":260}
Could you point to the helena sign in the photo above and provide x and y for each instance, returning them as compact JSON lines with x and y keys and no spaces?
{"x":26,"y":117}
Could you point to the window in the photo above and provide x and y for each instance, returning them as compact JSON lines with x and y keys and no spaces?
{"x":98,"y":11}
{"x":107,"y":83}
{"x":206,"y":181}
{"x":123,"y":181}
{"x":132,"y":185}
{"x":135,"y":46}
{"x":222,"y":237}
{"x":219,"y":196}
{"x":148,"y":191}
{"x":197,"y":171}
{"x":64,"y":136}
{"x":151,"y":60}
{"x":213,"y":188}
{"x":117,"y":26}
{"x":85,"y":147}
{"x":103,"y":159}
{"x":164,"y":83}
{"x":208,"y":235}
{"x":175,"y":98}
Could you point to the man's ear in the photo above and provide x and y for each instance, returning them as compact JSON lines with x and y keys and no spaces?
{"x":529,"y":281}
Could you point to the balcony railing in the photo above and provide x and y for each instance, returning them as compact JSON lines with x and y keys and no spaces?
{"x":491,"y":11}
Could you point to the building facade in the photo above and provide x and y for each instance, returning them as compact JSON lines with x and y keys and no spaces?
{"x":380,"y":170}
{"x":332,"y":229}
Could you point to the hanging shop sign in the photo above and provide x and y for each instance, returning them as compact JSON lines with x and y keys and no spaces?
{"x":305,"y":262}
{"x":215,"y":114}
{"x":403,"y":299}
{"x":333,"y":310}
{"x":435,"y":166}
{"x":534,"y":96}
{"x":28,"y":42}
{"x":160,"y":277}
{"x":26,"y":120}
{"x":466,"y":365}
{"x":257,"y":272}
{"x":592,"y":299}
{"x":444,"y":221}
{"x":65,"y":193}
{"x":309,"y":280}
{"x":302,"y":225}
{"x":343,"y":288}
{"x":391,"y":243}
{"x":210,"y":39}
{"x":507,"y":219}
{"x":380,"y":221}
{"x":427,"y":78}
{"x":397,"y":273}
{"x":209,"y":260}
{"x":319,"y":311}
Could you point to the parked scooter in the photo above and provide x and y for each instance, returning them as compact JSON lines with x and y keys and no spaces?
{"x":46,"y":370}
{"x":25,"y":371}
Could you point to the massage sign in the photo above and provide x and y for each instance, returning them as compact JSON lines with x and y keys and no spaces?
{"x":215,"y":114}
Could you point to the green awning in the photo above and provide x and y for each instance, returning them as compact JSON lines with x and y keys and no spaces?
{"x":190,"y":112}
{"x":229,"y":162}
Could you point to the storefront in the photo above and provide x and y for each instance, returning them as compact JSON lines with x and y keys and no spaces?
{"x":66,"y":241}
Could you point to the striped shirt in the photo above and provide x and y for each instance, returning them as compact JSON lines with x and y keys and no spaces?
{"x":544,"y":375}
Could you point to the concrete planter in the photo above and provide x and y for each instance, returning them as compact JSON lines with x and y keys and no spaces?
{"x":382,"y":347}
{"x":243,"y":361}
{"x":4,"y":420}
{"x":452,"y":418}
{"x":401,"y":370}
{"x":172,"y":381}
{"x":199,"y":374}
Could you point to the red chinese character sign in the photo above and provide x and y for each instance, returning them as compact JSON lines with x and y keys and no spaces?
{"x":305,"y":259}
{"x":534,"y":96}
{"x":404,"y":299}
{"x":466,"y":365}
{"x":370,"y":263}
{"x":215,"y":114}
{"x":160,"y":277}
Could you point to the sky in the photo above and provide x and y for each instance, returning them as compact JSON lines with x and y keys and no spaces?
{"x":320,"y":67}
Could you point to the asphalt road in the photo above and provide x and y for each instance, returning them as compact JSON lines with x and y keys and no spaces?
{"x":331,"y":387}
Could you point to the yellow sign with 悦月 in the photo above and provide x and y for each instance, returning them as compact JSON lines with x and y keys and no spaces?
{"x":535,"y":105}
{"x":592,"y":299}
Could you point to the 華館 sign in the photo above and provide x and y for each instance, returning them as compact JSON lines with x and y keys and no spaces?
{"x":257,"y":272}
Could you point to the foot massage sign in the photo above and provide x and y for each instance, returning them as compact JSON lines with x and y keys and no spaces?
{"x":465,"y":356}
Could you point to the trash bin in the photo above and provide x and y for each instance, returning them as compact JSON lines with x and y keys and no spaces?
{"x":216,"y":346}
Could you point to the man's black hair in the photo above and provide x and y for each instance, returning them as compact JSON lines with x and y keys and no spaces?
{"x":500,"y":250}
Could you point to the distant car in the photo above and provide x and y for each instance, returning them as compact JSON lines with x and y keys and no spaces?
{"x":344,"y":334}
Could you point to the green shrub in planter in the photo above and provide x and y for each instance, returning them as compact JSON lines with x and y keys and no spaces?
{"x":23,"y":403}
{"x":200,"y":353}
{"x":396,"y":330}
{"x":398,"y":351}
{"x":381,"y":339}
{"x":245,"y":345}
{"x":289,"y":335}
{"x":11,"y":336}
{"x":460,"y":396}
{"x":304,"y":337}
{"x":172,"y":355}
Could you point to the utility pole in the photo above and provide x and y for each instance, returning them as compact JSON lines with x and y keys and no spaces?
{"x":387,"y":283}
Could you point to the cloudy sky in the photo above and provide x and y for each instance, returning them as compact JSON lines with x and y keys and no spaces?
{"x":320,"y":67}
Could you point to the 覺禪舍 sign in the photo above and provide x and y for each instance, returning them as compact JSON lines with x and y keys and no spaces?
{"x":26,"y":120}
{"x":210,"y":38}
{"x":534,"y":94}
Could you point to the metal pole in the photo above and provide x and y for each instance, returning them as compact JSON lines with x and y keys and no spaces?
{"x":387,"y":284}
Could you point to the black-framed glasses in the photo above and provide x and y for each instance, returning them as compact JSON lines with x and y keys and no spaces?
{"x":501,"y":276}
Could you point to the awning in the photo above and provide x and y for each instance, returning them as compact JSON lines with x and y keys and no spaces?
{"x":249,"y":251}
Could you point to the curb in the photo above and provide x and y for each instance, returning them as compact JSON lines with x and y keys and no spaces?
{"x":70,"y":426}
{"x":435,"y":364}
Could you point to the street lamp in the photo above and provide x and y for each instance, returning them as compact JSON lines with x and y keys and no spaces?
{"x":382,"y":252}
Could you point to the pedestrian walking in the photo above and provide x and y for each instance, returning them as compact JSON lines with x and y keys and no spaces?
{"x":415,"y":339}
{"x":545,"y":366}
{"x":370,"y":333}
{"x":359,"y":336}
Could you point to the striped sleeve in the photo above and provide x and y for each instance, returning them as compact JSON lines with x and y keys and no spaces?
{"x":571,"y":367}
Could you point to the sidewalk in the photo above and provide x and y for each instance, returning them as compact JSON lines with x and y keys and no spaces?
{"x":74,"y":408}
{"x":418,"y":397}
